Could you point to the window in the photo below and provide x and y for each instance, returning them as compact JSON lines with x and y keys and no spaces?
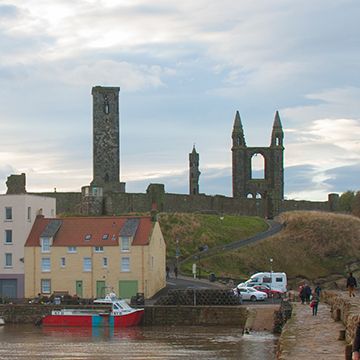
{"x":125,"y":244}
{"x":87,"y":264}
{"x":8,"y":236}
{"x":45,"y":264}
{"x":125,"y":264}
{"x":87,"y":237}
{"x":71,"y":249}
{"x":105,"y":262}
{"x":62,"y":262}
{"x":105,"y":236}
{"x":29,"y":213}
{"x":45,"y":286}
{"x":8,"y":213}
{"x":98,"y":249}
{"x":45,"y":245}
{"x":8,"y":260}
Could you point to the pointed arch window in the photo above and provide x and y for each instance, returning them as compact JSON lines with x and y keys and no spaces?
{"x":257,"y":166}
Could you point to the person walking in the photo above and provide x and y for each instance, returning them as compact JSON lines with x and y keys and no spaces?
{"x":318,"y":290}
{"x":176,"y":272}
{"x":302,"y":294}
{"x":314,"y":304}
{"x":307,"y":290}
{"x":167,"y":271}
{"x":351,"y":284}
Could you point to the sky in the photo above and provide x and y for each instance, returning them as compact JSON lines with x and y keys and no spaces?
{"x":184,"y":68}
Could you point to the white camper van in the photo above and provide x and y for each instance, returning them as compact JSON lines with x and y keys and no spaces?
{"x":275,"y":280}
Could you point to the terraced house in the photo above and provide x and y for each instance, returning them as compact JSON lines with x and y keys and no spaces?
{"x":17,"y":215}
{"x":89,"y":256}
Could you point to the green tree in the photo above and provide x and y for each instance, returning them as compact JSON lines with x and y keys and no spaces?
{"x":346,"y":200}
{"x":355,"y":205}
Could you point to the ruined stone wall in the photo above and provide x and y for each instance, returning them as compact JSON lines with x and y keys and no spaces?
{"x":292,"y":205}
{"x":66,"y":202}
{"x":121,"y":203}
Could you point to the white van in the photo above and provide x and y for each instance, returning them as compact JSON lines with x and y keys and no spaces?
{"x":275,"y":280}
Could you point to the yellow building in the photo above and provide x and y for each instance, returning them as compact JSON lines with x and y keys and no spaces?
{"x":89,"y":256}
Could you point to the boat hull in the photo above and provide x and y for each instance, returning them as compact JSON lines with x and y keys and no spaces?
{"x":95,"y":320}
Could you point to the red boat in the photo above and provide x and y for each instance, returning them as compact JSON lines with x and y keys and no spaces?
{"x":120,"y":315}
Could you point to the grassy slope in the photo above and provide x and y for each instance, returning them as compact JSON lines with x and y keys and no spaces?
{"x":194,"y":230}
{"x":313,"y":245}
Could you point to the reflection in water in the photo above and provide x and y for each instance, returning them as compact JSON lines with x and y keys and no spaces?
{"x":191,"y":342}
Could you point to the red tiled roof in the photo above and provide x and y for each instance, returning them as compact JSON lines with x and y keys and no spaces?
{"x":73,"y":231}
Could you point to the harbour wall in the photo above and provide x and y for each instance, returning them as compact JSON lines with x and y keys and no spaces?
{"x":255,"y":317}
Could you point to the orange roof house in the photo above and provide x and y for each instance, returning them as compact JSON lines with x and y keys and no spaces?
{"x":88,"y":256}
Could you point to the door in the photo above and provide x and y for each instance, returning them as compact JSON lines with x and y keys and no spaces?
{"x":100,"y":289}
{"x":79,"y":288}
{"x":8,"y":288}
{"x":128,"y":288}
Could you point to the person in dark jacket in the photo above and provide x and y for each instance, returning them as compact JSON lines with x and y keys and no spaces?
{"x":351,"y":284}
{"x":307,"y":290}
{"x":356,"y":344}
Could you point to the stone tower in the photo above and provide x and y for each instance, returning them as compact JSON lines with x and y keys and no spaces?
{"x":194,"y":172}
{"x":271,"y":185}
{"x":106,"y":143}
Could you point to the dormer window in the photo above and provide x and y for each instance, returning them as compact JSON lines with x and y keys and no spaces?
{"x":105,"y":236}
{"x":125,"y":244}
{"x":45,"y":245}
{"x":87,"y":237}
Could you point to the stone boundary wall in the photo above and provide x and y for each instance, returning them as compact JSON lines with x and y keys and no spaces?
{"x":196,"y":315}
{"x":120,"y":203}
{"x":343,"y":310}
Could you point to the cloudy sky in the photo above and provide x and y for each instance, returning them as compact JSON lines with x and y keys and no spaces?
{"x":184,"y":68}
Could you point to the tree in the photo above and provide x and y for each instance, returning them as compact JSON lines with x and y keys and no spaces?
{"x":345,"y":201}
{"x":355,"y":205}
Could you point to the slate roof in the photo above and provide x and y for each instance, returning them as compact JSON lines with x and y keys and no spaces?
{"x":91,"y":231}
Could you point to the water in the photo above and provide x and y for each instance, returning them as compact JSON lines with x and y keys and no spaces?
{"x":180,"y":342}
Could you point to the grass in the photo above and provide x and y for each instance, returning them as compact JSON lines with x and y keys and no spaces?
{"x":313,"y":246}
{"x":194,"y":230}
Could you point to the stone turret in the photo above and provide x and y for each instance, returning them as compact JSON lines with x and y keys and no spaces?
{"x":194,"y":172}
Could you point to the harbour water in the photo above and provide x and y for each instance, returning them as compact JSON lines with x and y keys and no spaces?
{"x":194,"y":342}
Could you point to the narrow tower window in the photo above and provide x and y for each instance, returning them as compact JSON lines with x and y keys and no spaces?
{"x":106,"y":105}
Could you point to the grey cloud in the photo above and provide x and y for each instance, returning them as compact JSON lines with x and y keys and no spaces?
{"x":344,"y":178}
{"x":8,"y":11}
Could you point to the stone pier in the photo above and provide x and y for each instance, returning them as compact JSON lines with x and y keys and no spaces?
{"x":327,"y":336}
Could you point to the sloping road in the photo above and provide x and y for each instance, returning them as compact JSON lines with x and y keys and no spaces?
{"x":274,"y":227}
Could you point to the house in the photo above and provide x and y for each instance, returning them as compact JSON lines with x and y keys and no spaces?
{"x":17,"y":215}
{"x":89,"y":256}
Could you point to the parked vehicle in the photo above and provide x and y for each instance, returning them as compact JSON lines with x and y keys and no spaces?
{"x":249,"y":293}
{"x":271,"y":293}
{"x":275,"y":280}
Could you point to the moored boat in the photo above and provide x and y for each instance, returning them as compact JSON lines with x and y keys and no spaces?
{"x":120,"y":314}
